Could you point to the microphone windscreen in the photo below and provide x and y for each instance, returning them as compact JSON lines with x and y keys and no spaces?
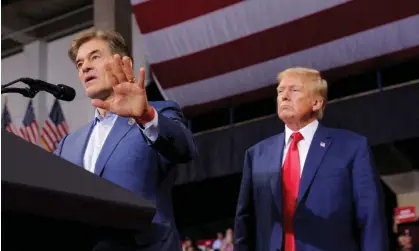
{"x":67,"y":93}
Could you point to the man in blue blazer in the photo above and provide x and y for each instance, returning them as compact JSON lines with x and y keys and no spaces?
{"x":130,"y":141}
{"x":310,"y":188}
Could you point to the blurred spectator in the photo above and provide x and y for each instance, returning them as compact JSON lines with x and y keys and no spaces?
{"x":405,"y":242}
{"x":228,"y":241}
{"x":191,"y":248}
{"x":216,"y":246}
{"x":186,"y":244}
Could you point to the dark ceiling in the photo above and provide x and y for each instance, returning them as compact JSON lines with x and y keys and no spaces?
{"x":24,"y":21}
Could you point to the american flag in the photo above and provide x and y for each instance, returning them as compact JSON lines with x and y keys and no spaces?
{"x":6,"y":121}
{"x":30,"y":128}
{"x":210,"y":51}
{"x":55,"y":128}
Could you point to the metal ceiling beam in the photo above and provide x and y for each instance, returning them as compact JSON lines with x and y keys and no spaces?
{"x":30,"y":29}
{"x":23,"y":38}
{"x":12,"y":22}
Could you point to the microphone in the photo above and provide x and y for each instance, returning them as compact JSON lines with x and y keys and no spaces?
{"x":62,"y":92}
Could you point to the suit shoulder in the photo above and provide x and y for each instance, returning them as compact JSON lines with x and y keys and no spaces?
{"x":261,"y":145}
{"x":346,"y":135}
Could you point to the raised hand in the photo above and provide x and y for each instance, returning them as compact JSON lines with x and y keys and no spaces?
{"x":129,"y":97}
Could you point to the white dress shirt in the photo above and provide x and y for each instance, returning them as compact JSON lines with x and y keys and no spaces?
{"x":304,"y":144}
{"x":100,"y":131}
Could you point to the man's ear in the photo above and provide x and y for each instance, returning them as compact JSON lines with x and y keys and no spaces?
{"x":318,"y":103}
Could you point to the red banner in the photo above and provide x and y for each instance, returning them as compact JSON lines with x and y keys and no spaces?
{"x":405,"y":214}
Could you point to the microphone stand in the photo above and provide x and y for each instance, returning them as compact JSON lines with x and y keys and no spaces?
{"x":61,"y":92}
{"x":26,"y":92}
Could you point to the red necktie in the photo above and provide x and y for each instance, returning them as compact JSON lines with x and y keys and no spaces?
{"x":291,"y":182}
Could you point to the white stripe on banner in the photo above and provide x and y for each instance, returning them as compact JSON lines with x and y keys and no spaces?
{"x":375,"y":42}
{"x":226,"y":25}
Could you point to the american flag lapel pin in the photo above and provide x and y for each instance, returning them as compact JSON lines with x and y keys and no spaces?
{"x":322,"y":144}
{"x":131,"y":121}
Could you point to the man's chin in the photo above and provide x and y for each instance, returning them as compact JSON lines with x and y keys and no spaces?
{"x":96,"y":94}
{"x":286,"y":116}
{"x":91,"y":94}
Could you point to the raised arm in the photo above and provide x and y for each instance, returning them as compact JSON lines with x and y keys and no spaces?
{"x":169,"y":134}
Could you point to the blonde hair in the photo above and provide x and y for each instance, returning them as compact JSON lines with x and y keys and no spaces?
{"x":115,"y":41}
{"x":312,"y":77}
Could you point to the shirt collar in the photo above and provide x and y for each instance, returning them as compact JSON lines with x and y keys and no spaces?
{"x":307,"y":131}
{"x":98,"y":117}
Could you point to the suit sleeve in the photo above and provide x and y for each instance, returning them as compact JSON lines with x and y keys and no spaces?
{"x":245,"y":234}
{"x":151,"y":129}
{"x":369,"y":202}
{"x":174,"y":140}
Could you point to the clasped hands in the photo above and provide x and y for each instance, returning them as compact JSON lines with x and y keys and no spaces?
{"x":129,"y":94}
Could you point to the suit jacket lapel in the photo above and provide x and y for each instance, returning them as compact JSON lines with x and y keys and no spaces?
{"x":84,"y":138}
{"x":275,"y":168}
{"x":319,"y":145}
{"x":119,"y":130}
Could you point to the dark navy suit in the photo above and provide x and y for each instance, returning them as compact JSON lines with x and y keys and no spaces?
{"x":339,"y":206}
{"x":146,"y":168}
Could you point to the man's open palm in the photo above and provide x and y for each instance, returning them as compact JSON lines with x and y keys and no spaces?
{"x":129,"y":97}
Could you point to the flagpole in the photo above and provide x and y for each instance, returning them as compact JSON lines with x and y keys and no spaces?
{"x":6,"y":98}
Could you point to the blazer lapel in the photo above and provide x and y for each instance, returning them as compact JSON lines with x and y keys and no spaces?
{"x":119,"y":130}
{"x":84,"y":138}
{"x":319,"y":145}
{"x":275,"y":169}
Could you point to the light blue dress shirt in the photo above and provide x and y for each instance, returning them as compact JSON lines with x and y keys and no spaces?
{"x":100,"y":131}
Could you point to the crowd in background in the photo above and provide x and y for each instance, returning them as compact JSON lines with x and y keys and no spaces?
{"x":222,"y":242}
{"x":407,"y":239}
{"x":407,"y":235}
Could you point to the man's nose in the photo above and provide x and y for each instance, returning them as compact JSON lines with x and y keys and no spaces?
{"x":86,"y":67}
{"x":285,"y":95}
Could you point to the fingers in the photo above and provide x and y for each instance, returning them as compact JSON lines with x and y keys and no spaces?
{"x":117,"y":69}
{"x":141,"y":80}
{"x":127,"y":69}
{"x":109,"y":75}
{"x":101,"y":104}
{"x":120,"y":71}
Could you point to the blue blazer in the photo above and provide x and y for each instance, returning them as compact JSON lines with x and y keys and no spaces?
{"x":339,"y":205}
{"x":129,"y":160}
